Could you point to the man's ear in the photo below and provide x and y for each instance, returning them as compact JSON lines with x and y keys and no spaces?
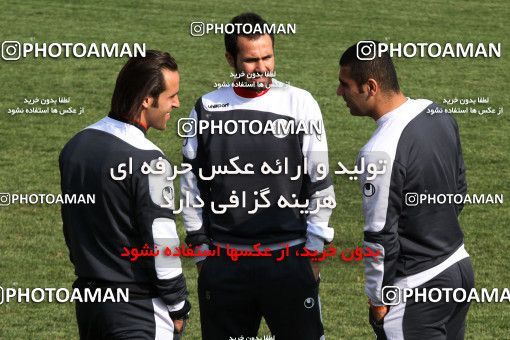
{"x":230,"y":59}
{"x":147,"y":102}
{"x":372,"y":87}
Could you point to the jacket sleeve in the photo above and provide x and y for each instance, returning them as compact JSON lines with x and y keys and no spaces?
{"x":461,"y":179}
{"x":154,"y":219}
{"x":382,"y":205}
{"x":192,"y":188}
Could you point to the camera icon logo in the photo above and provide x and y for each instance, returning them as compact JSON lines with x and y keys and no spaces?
{"x":5,"y":199}
{"x":11,"y":50}
{"x":391,"y":295}
{"x":187,"y":127}
{"x":411,"y":199}
{"x":197,"y":29}
{"x":366,"y":50}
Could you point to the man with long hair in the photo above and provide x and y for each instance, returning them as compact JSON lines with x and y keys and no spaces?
{"x":134,"y":209}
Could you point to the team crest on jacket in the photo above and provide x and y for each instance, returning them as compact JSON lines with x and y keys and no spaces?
{"x":368,"y":189}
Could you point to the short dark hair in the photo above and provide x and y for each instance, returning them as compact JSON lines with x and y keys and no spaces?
{"x":244,"y":18}
{"x":139,"y":78}
{"x":380,"y":68}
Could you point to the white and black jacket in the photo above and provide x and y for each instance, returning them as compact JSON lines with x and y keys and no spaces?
{"x":423,"y":155}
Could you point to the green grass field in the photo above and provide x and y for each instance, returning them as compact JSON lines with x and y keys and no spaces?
{"x":32,"y":248}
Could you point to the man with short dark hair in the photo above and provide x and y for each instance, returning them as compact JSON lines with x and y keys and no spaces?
{"x":413,"y":151}
{"x":133,"y":209}
{"x":235,"y":294}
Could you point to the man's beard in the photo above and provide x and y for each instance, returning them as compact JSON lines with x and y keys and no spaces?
{"x":257,"y":86}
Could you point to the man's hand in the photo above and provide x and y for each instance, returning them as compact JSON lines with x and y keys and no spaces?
{"x":315,"y":268}
{"x":378,"y":312}
{"x":178,"y":326}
